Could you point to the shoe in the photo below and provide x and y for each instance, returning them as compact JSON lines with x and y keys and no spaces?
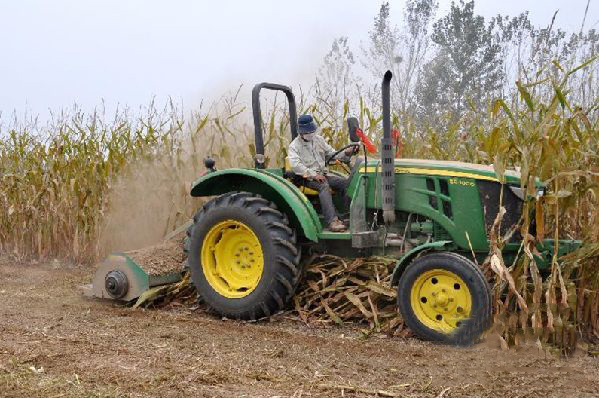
{"x":337,"y":226}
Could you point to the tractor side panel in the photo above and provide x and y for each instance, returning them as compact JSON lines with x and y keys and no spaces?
{"x":452,"y":203}
{"x":284,"y":194}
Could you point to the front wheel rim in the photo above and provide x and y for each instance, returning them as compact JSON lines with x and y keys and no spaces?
{"x":232,"y":259}
{"x":441,"y":300}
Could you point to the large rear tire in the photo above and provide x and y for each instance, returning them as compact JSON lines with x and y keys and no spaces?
{"x":243,"y":257}
{"x":444,"y":297}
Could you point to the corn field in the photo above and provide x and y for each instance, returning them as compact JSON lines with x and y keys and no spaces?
{"x":87,"y":184}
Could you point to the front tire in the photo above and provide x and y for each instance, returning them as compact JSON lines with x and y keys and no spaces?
{"x":243,"y":257}
{"x":444,"y":297}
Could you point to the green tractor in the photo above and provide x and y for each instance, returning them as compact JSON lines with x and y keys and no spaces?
{"x":246,"y":244}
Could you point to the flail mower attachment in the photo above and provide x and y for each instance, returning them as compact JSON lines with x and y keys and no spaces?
{"x":126,"y":276}
{"x":118,"y":277}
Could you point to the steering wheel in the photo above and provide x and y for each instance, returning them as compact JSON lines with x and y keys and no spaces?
{"x":334,"y":155}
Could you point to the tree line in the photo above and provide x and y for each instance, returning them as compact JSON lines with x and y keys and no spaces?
{"x":448,"y":65}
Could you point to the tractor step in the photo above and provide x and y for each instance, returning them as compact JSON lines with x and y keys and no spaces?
{"x":359,"y":240}
{"x":362,"y":240}
{"x":334,"y":235}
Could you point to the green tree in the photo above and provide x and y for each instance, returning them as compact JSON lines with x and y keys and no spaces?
{"x":336,"y":86}
{"x":403,"y":51}
{"x":467,"y":68}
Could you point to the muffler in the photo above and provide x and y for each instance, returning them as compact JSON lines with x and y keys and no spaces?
{"x":387,"y":155}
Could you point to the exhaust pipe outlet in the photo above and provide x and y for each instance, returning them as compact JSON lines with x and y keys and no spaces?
{"x":387,"y":155}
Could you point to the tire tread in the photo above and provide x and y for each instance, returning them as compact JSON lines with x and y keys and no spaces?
{"x":286,"y":255}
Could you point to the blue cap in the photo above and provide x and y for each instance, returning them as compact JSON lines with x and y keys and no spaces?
{"x":306,"y":124}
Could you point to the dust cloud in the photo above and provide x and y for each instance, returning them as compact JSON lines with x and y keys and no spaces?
{"x":152,"y":198}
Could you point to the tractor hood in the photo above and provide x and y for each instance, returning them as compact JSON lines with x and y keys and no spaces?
{"x":445,"y":168}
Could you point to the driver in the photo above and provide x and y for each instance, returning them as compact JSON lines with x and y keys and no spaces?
{"x":307,"y":156}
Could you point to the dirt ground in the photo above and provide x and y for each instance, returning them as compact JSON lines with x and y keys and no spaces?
{"x":56,"y":343}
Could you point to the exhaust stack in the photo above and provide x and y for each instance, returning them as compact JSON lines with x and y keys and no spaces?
{"x":387,"y":155}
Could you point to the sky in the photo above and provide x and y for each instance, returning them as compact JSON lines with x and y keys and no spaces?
{"x":57,"y":53}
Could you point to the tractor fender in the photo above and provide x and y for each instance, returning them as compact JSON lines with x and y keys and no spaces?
{"x":403,"y":263}
{"x":288,"y":198}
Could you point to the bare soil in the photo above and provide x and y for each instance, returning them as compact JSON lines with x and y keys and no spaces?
{"x":54,"y":342}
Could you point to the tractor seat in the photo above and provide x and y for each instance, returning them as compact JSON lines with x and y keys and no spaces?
{"x":297,"y":180}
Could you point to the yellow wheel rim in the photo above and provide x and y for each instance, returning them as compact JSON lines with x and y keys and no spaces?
{"x":232,"y":259}
{"x":441,"y":300}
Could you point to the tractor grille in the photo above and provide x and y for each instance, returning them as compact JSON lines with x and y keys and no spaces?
{"x":489,"y":196}
{"x":435,"y":198}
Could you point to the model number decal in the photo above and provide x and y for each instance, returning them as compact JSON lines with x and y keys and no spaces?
{"x":460,"y":181}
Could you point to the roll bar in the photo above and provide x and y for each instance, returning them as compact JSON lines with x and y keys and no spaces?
{"x":259,"y":138}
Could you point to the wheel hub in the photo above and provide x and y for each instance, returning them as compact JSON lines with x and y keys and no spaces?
{"x":232,"y":259}
{"x":440,"y":300}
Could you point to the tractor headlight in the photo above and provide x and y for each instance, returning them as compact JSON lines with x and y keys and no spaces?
{"x":541,"y":192}
{"x":517,"y":191}
{"x":209,"y":163}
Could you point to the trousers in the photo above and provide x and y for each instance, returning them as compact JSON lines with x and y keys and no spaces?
{"x":339,"y":184}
